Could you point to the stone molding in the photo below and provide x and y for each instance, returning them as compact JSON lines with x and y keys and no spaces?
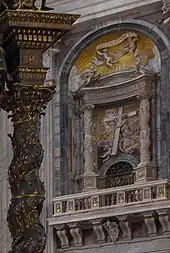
{"x":113,"y":229}
{"x":98,"y":9}
{"x":152,"y":196}
{"x":117,"y":92}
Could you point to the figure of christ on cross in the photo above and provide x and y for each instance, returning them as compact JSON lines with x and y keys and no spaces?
{"x":113,"y":123}
{"x":121,"y":120}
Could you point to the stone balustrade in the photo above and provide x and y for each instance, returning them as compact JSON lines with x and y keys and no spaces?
{"x":110,"y":215}
{"x":112,"y":197}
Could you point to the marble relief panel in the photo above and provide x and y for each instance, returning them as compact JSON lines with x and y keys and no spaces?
{"x":116,"y":131}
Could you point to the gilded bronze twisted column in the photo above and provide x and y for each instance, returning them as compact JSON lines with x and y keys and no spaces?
{"x":27,"y":34}
{"x":26,"y":104}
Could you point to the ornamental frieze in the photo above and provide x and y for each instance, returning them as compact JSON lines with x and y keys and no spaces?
{"x":116,"y":92}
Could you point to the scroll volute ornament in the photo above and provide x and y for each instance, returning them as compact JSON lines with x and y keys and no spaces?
{"x":166,"y":6}
{"x":166,"y":11}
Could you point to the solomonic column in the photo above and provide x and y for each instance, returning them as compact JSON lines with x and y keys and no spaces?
{"x":144,"y":170}
{"x":89,"y":174}
{"x":27,"y":34}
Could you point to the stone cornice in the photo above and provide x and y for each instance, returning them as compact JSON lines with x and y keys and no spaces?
{"x":98,"y":9}
{"x":110,"y":212}
{"x":118,"y":90}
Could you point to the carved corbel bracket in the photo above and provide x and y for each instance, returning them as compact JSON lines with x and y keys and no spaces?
{"x":164,"y":219}
{"x":112,"y":226}
{"x":62,"y":235}
{"x":76,"y":233}
{"x":125,"y":228}
{"x":98,"y":230}
{"x":152,"y":222}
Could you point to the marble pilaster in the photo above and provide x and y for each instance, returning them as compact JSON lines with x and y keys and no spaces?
{"x":5,"y":158}
{"x":47,"y":171}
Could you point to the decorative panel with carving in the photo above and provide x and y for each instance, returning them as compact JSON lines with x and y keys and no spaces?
{"x":117,"y":131}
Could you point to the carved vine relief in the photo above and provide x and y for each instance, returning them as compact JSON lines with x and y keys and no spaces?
{"x":113,"y":53}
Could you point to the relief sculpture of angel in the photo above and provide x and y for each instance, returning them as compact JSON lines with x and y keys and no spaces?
{"x":89,"y":75}
{"x":166,"y":6}
{"x":104,"y":56}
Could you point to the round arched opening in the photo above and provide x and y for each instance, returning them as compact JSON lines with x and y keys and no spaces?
{"x":119,"y":174}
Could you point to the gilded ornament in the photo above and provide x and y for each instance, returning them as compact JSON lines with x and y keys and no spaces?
{"x":23,"y":4}
{"x":26,"y":105}
{"x":25,"y":97}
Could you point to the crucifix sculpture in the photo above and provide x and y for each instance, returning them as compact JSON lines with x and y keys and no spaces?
{"x":120,"y":121}
{"x":24,"y":95}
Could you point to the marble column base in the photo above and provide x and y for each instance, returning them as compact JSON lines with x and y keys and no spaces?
{"x":90,"y":181}
{"x":145,"y":173}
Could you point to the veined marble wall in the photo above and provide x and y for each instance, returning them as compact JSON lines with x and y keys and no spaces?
{"x":149,"y":245}
{"x":47,"y":170}
{"x":5,"y":158}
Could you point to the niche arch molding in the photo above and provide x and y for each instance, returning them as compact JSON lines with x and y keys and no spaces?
{"x":161,"y":41}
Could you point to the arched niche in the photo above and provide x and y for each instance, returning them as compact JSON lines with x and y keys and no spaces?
{"x":85,"y":66}
{"x":117,"y":171}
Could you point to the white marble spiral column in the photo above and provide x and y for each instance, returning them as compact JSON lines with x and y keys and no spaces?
{"x":144,"y":170}
{"x":145,"y":131}
{"x":89,"y":174}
